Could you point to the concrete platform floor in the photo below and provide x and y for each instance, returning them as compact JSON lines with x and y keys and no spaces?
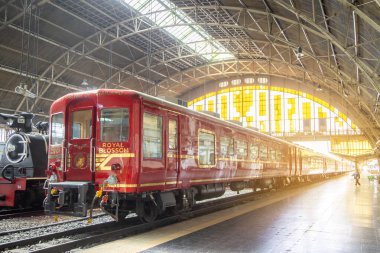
{"x":331,"y":216}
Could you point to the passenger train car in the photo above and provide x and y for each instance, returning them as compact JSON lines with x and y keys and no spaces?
{"x":23,"y":163}
{"x":137,"y":153}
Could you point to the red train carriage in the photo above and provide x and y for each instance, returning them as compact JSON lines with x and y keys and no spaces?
{"x":147,"y":155}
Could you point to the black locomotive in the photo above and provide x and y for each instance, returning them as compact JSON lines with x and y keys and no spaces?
{"x":23,"y":163}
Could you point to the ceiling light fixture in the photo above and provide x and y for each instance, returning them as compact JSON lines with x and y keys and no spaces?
{"x":24,"y":91}
{"x":299,"y":52}
{"x":345,"y":93}
{"x":84,"y":82}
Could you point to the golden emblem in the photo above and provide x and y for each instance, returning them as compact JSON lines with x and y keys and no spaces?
{"x":79,"y":161}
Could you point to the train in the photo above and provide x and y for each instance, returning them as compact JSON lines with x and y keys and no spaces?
{"x":23,"y":163}
{"x":132,"y":152}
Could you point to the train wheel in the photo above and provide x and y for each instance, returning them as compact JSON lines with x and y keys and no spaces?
{"x":147,"y":211}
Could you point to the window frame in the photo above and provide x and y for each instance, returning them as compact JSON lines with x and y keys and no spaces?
{"x":262,"y":146}
{"x":175,"y":136}
{"x":255,"y":144}
{"x":272,"y":154}
{"x":237,"y":150}
{"x":215,"y":155}
{"x":90,"y":129}
{"x":162,"y":136}
{"x":229,"y":152}
{"x":63,"y":131}
{"x":101,"y":132}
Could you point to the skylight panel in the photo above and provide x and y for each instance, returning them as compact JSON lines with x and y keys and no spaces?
{"x":175,"y":22}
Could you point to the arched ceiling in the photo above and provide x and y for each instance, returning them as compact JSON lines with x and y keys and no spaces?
{"x":53,"y":45}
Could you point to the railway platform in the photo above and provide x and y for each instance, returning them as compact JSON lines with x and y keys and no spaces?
{"x":329,"y":216}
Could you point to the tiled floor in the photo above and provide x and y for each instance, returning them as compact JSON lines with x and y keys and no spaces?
{"x":333,"y":216}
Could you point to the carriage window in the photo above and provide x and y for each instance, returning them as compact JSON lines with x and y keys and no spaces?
{"x":172,"y":134}
{"x":242,"y":148}
{"x":226,"y":146}
{"x":114,"y":124}
{"x":81,"y":124}
{"x":57,"y":129}
{"x":263,"y":152}
{"x":152,"y":136}
{"x":272,"y":153}
{"x":279,"y":155}
{"x":206,"y":148}
{"x":254,"y":151}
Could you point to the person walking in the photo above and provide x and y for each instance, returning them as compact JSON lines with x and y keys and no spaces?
{"x":357,"y":177}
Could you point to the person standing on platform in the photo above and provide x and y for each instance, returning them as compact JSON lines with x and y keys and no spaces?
{"x":357,"y":177}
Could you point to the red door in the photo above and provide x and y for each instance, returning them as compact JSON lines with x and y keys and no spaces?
{"x":172,"y":152}
{"x":80,"y":145}
{"x":153,"y":149}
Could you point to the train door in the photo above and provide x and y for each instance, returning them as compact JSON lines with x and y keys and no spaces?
{"x":172,"y":145}
{"x":153,"y":151}
{"x":300,"y":161}
{"x":290,"y":159}
{"x":80,"y":145}
{"x":295,"y":156}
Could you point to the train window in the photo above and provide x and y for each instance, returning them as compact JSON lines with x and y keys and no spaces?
{"x":272,"y":154}
{"x":242,"y":148}
{"x":226,"y":146}
{"x":57,"y":129}
{"x":81,"y":124}
{"x":172,"y":134}
{"x":263,"y":152}
{"x":254,"y":151}
{"x":114,"y":124}
{"x":279,"y":155}
{"x":206,"y":148}
{"x":152,"y":136}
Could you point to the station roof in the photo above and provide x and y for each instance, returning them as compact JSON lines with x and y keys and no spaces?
{"x":170,"y":47}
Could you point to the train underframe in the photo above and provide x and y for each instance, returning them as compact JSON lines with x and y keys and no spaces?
{"x":150,"y":205}
{"x":76,"y":198}
{"x":22,"y":193}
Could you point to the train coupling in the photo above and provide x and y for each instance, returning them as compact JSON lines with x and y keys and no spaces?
{"x":71,"y":198}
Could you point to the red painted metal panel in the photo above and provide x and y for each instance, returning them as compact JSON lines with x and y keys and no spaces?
{"x":9,"y":190}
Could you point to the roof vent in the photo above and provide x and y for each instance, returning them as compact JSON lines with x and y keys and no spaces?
{"x":236,"y":122}
{"x":213,"y":114}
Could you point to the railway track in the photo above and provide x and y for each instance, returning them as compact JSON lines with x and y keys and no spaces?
{"x":9,"y":214}
{"x":108,"y":231}
{"x":71,"y":238}
{"x":29,"y":236}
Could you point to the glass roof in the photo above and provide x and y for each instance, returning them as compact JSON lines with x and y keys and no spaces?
{"x":164,"y":14}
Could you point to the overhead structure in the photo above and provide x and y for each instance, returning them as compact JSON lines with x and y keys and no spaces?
{"x":169,"y":48}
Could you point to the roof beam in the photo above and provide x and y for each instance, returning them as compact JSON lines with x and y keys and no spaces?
{"x":262,"y":30}
{"x":356,"y":39}
{"x":328,"y":30}
{"x":361,"y":14}
{"x":10,"y":21}
{"x":306,"y":37}
{"x":29,"y":75}
{"x":284,"y":34}
{"x":366,"y":70}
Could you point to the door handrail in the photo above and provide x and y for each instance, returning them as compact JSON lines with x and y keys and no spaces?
{"x":92,"y":152}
